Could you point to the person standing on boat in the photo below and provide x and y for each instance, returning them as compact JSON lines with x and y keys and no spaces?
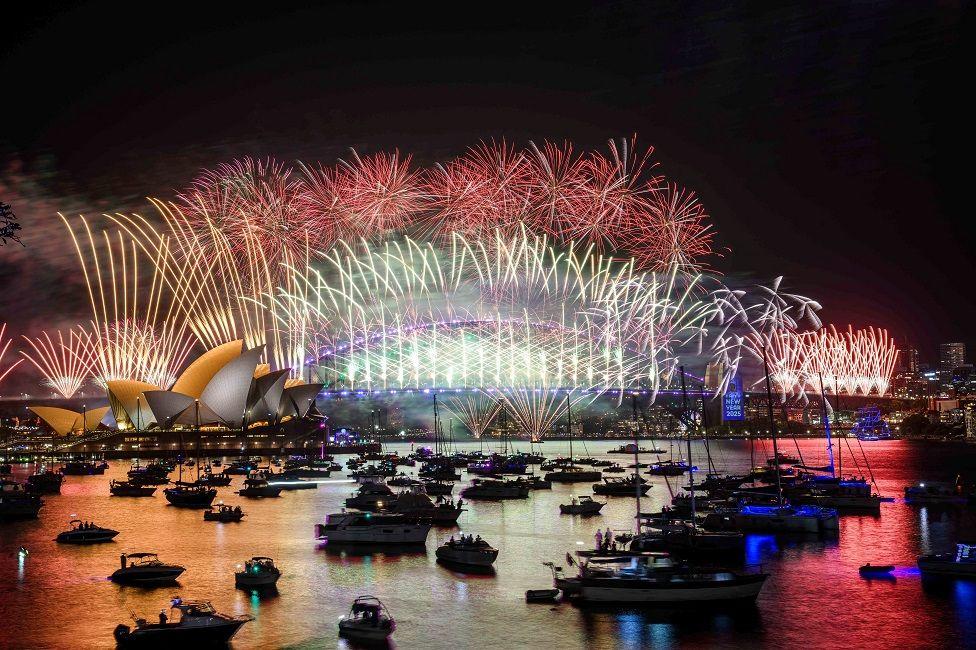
{"x":608,"y":537}
{"x":599,"y":539}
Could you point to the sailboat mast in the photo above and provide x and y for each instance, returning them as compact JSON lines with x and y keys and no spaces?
{"x":704,"y":425}
{"x":437,"y":446}
{"x":569,"y":423}
{"x":691,"y":471}
{"x":840,"y":450}
{"x":826,"y":423}
{"x":772,"y":430}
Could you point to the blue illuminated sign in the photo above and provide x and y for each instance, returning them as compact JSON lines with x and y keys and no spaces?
{"x":733,"y":409}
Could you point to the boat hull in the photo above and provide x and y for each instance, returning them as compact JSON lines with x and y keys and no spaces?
{"x":386,"y":534}
{"x":946,"y":567}
{"x":197,"y":635}
{"x":156,"y":576}
{"x":744,"y":589}
{"x":466,"y":558}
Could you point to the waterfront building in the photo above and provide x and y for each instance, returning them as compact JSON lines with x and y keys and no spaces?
{"x":951,"y":356}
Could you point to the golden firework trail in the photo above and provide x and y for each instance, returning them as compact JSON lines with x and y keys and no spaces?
{"x":64,"y":365}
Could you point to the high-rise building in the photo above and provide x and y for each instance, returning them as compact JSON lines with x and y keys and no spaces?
{"x":908,"y":360}
{"x":951,"y":356}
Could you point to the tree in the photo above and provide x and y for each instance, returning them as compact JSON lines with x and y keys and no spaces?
{"x":8,"y":225}
{"x":915,"y":426}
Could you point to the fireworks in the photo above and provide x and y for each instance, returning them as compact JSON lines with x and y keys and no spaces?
{"x":64,"y":365}
{"x":136,"y":333}
{"x":475,"y":411}
{"x":4,"y":346}
{"x":515,"y":313}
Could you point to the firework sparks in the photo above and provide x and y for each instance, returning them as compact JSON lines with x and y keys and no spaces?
{"x":4,"y":346}
{"x":64,"y":365}
{"x":476,"y":412}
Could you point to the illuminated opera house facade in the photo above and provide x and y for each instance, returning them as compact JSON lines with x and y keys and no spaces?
{"x":226,"y":394}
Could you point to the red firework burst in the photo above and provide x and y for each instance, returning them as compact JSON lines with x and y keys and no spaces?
{"x":674,"y":230}
{"x":380,"y":192}
{"x":252,"y":200}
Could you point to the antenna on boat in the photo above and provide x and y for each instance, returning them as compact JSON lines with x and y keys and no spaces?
{"x":772,"y":430}
{"x":691,"y":467}
{"x":826,"y":423}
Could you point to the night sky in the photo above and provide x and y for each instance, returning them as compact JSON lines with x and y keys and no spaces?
{"x":830,"y":143}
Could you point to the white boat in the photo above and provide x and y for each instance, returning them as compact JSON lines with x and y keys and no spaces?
{"x":368,"y":528}
{"x":258,"y":572}
{"x":467,"y":551}
{"x":368,"y":620}
{"x":584,"y":505}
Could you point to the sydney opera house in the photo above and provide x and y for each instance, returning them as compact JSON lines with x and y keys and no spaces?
{"x":226,"y":395}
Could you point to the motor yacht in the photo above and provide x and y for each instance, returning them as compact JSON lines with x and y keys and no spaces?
{"x":257,"y":487}
{"x":16,"y":502}
{"x":45,"y":482}
{"x":368,"y":528}
{"x":368,"y":620}
{"x":257,"y":572}
{"x":215,"y":480}
{"x":623,"y":486}
{"x":84,"y":468}
{"x":656,"y":579}
{"x":467,"y":550}
{"x":130,"y":489}
{"x":192,"y":624}
{"x":935,"y":493}
{"x":491,"y":489}
{"x":437,"y":488}
{"x":224,"y":513}
{"x":842,"y":495}
{"x":83,"y":532}
{"x":582,"y":505}
{"x":417,"y":504}
{"x":614,"y":468}
{"x":573,"y":475}
{"x":372,"y":496}
{"x":962,"y":563}
{"x":145,"y":569}
{"x":669,"y":468}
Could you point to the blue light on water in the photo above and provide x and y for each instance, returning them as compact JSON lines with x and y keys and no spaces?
{"x":759,"y":547}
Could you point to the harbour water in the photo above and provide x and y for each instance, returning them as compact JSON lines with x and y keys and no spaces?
{"x":60,"y":596}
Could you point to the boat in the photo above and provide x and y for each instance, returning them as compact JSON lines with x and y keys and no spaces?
{"x":491,"y":489}
{"x":622,"y":486}
{"x":935,"y":493}
{"x":368,"y":620}
{"x":83,"y":532}
{"x":541,"y":595}
{"x":130,"y":489}
{"x":16,"y":502}
{"x":876,"y":569}
{"x":785,"y":518}
{"x":573,"y":474}
{"x":83,"y":468}
{"x":467,"y":551}
{"x":783,"y":459}
{"x":6,"y":468}
{"x":215,"y":480}
{"x":535,"y":482}
{"x":631,"y":449}
{"x":614,"y":468}
{"x":402,"y":480}
{"x":582,"y":505}
{"x":241,"y":467}
{"x":368,"y":528}
{"x":190,"y":495}
{"x":852,"y":494}
{"x":45,"y":482}
{"x":304,"y":472}
{"x":417,"y":504}
{"x":223,"y":513}
{"x":257,"y":487}
{"x":669,"y":468}
{"x":145,"y":569}
{"x":372,"y":496}
{"x":258,"y":572}
{"x":960,"y":564}
{"x":437,"y":488}
{"x":198,"y":624}
{"x":656,"y":579}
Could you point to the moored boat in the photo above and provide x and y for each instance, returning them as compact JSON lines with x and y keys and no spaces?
{"x":368,"y":528}
{"x":257,"y":487}
{"x":145,"y":569}
{"x":84,"y":532}
{"x":467,"y":550}
{"x":130,"y":489}
{"x":224,"y":513}
{"x":961,"y":564}
{"x":16,"y":502}
{"x":368,"y":620}
{"x":257,"y":572}
{"x":582,"y":505}
{"x":190,"y":623}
